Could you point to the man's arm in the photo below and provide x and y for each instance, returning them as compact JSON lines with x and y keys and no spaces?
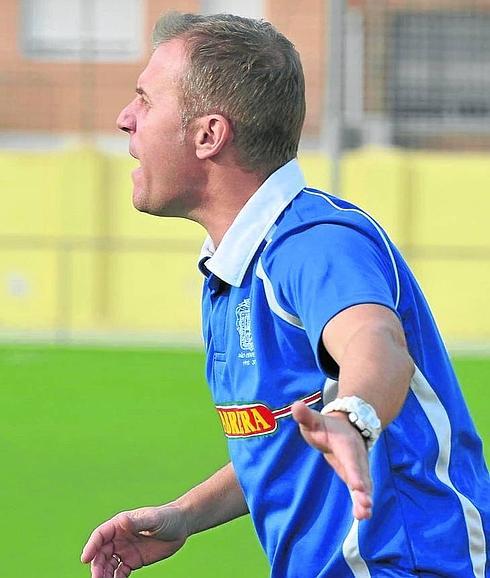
{"x":137,"y":538}
{"x":368,"y":344}
{"x":214,"y":502}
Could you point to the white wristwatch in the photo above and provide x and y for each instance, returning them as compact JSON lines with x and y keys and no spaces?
{"x":361,"y":414}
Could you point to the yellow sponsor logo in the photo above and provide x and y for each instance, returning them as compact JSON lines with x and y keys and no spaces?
{"x":246,"y":420}
{"x":256,"y":419}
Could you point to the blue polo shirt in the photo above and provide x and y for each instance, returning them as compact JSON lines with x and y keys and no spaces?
{"x":294,"y":258}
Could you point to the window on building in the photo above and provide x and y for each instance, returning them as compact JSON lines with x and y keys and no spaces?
{"x":110,"y":30}
{"x":440,"y":72}
{"x":247,"y":8}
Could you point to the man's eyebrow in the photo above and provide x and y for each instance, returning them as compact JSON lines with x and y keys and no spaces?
{"x":142,"y":92}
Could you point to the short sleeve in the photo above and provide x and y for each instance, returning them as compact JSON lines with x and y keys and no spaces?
{"x":320,"y":271}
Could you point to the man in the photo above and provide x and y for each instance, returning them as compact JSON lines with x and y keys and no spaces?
{"x":304,"y":297}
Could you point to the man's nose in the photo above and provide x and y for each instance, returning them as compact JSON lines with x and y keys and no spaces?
{"x":126,"y":120}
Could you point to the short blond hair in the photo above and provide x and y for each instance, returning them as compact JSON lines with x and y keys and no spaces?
{"x":247,"y":71}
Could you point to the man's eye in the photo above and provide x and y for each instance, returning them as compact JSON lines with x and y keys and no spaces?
{"x":143,"y":100}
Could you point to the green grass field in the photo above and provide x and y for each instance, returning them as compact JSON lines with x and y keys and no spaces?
{"x":86,"y":432}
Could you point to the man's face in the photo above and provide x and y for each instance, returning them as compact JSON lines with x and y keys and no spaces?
{"x":166,"y":182}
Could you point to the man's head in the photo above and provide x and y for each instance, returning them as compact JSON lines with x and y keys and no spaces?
{"x":246,"y":71}
{"x":220,"y":88}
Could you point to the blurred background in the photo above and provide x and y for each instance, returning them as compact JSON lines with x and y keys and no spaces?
{"x":398,"y":121}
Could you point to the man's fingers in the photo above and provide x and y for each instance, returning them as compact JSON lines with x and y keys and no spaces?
{"x":352,"y":454}
{"x":312,"y":426}
{"x":102,"y":564}
{"x":358,"y":483}
{"x":123,"y":571}
{"x":362,"y":499}
{"x":352,"y":464}
{"x":356,"y":466}
{"x":361,"y":505}
{"x":100,"y":536}
{"x":343,"y":448}
{"x":98,"y":567}
{"x":103,"y":557}
{"x":308,"y":419}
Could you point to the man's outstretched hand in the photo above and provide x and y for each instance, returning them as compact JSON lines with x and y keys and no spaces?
{"x":343,"y":448}
{"x":133,"y":539}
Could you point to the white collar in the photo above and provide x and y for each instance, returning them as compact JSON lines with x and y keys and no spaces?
{"x":231,"y":259}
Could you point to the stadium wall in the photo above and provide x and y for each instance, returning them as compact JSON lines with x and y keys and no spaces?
{"x":77,"y":260}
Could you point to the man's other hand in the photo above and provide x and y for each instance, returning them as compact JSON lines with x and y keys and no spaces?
{"x":133,"y":539}
{"x":344,"y":449}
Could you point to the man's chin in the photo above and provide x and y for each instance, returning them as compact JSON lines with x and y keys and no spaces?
{"x":140,"y":201}
{"x":140,"y":195}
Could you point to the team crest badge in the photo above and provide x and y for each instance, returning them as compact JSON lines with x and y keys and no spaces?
{"x":243,"y":325}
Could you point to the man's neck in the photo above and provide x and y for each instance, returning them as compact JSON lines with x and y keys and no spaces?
{"x":225,"y":196}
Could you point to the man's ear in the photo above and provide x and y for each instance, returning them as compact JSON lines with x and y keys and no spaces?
{"x":212,"y":134}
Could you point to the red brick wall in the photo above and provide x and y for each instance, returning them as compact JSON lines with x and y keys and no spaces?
{"x":71,"y":96}
{"x":304,"y":23}
{"x":65,"y":96}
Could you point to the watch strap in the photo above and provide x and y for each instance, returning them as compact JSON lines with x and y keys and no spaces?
{"x":361,"y":415}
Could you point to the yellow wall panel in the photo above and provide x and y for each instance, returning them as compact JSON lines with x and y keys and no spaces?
{"x":48,"y":194}
{"x":86,"y":270}
{"x":376,"y":180}
{"x":451,"y":200}
{"x":30,"y":194}
{"x":458,"y":292}
{"x":79,"y":191}
{"x":29,"y":292}
{"x":317,"y":170}
{"x":156,"y":291}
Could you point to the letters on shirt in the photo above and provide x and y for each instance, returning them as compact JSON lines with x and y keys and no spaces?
{"x":256,"y":419}
{"x":246,"y":420}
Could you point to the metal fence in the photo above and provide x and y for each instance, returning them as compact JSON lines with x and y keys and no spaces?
{"x":408,"y":74}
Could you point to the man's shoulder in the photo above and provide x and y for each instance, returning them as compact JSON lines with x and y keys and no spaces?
{"x":313,"y":207}
{"x":320,"y":232}
{"x":315,"y":215}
